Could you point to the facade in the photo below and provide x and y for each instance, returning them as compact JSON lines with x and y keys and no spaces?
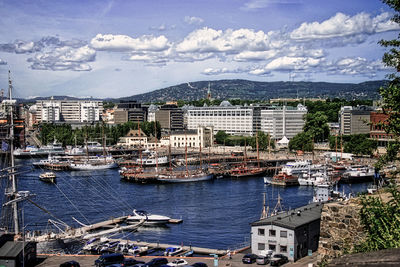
{"x":71,"y":111}
{"x":191,"y":138}
{"x":278,"y":121}
{"x":130,"y":111}
{"x":377,"y":131}
{"x":234,"y":120}
{"x":170,"y":118}
{"x":283,"y":121}
{"x":291,"y":233}
{"x":354,"y":120}
{"x":134,"y":138}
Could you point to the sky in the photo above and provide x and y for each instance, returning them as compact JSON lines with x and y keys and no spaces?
{"x":117,"y":48}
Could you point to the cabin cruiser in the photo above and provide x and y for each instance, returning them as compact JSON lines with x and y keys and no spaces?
{"x":150,"y":219}
{"x":150,"y":158}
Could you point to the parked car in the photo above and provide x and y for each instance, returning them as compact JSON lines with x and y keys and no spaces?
{"x":199,"y":264}
{"x":156,"y":262}
{"x":261,"y":260}
{"x":178,"y":262}
{"x":278,"y":260}
{"x":109,"y":259}
{"x":131,"y":262}
{"x":249,"y":258}
{"x":70,"y":264}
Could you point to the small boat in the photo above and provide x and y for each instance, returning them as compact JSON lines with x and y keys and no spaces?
{"x":182,"y":177}
{"x":49,"y":177}
{"x":150,"y":219}
{"x":96,"y":163}
{"x":172,"y":251}
{"x":282,"y":179}
{"x":358,"y":174}
{"x":246,"y":172}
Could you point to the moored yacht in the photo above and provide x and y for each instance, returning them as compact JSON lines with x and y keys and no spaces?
{"x":150,"y":219}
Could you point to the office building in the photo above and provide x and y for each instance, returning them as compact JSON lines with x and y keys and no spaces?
{"x":130,"y":111}
{"x":354,"y":120}
{"x":170,"y":117}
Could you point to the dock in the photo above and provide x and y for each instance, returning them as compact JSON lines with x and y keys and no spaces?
{"x":197,"y":250}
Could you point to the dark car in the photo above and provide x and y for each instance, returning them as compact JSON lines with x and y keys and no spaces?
{"x":156,"y":262}
{"x":70,"y":264}
{"x":199,"y":264}
{"x":130,"y":262}
{"x":249,"y":258}
{"x":109,"y":259}
{"x":278,"y":260}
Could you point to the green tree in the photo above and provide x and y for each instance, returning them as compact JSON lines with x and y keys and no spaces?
{"x":302,"y":141}
{"x":221,"y":137}
{"x":317,"y":126}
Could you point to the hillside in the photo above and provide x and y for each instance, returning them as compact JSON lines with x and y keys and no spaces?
{"x":244,"y":89}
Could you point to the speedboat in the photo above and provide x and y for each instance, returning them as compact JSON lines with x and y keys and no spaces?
{"x":150,"y":219}
{"x":172,"y":251}
{"x":49,"y":177}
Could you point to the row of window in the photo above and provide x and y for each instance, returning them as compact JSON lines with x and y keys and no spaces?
{"x":183,"y":138}
{"x":273,"y":247}
{"x":272,"y":232}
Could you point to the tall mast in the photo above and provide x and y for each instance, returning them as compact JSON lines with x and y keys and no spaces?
{"x":258,"y":152}
{"x":187,"y":171}
{"x":265,"y":210}
{"x":140,"y":146}
{"x":155,"y":148}
{"x":12,"y":177}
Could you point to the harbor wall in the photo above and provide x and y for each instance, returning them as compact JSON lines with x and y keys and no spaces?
{"x":340,"y":229}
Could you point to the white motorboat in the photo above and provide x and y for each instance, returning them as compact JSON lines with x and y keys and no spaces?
{"x":49,"y":177}
{"x":150,"y":219}
{"x":150,"y":158}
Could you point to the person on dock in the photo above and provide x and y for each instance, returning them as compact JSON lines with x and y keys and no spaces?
{"x":229,"y":254}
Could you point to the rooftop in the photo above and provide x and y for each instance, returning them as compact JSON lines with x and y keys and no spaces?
{"x":293,"y":219}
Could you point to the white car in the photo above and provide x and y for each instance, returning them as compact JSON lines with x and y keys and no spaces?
{"x":178,"y":262}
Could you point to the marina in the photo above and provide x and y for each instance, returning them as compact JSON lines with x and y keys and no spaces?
{"x":99,"y":195}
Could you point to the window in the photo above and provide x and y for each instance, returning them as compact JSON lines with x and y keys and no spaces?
{"x":272,"y":247}
{"x":261,"y":231}
{"x":261,"y":246}
{"x":272,"y":233}
{"x":283,"y":249}
{"x":283,"y":233}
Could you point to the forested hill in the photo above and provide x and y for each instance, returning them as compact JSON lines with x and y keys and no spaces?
{"x":244,"y":89}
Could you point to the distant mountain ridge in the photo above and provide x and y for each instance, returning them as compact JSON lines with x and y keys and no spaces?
{"x":252,"y":90}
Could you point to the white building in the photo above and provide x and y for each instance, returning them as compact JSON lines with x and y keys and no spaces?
{"x":283,"y":121}
{"x":68,"y":110}
{"x":234,"y":120}
{"x":293,"y":233}
{"x":191,"y":138}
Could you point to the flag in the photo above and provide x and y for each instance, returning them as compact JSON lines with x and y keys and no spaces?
{"x":4,"y":146}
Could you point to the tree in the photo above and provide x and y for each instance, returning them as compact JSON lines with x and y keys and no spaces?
{"x":221,"y":137}
{"x":302,"y":141}
{"x":317,"y":126}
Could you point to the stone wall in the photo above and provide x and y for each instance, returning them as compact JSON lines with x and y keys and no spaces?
{"x":340,"y":228}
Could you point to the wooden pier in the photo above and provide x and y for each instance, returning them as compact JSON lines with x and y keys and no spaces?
{"x":197,"y":250}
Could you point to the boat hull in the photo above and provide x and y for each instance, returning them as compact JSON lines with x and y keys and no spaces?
{"x":174,"y":179}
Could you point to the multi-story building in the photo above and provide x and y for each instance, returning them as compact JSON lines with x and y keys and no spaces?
{"x":291,"y":233}
{"x":234,"y":120}
{"x":377,"y":132}
{"x":71,"y":111}
{"x":279,"y":121}
{"x":170,"y":118}
{"x":283,"y":121}
{"x":202,"y":136}
{"x":354,"y":120}
{"x":130,"y":111}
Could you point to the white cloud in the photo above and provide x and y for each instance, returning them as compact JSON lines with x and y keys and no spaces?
{"x":112,"y":42}
{"x":286,"y":63}
{"x":193,"y":20}
{"x":355,"y":66}
{"x":342,"y":25}
{"x":64,"y":58}
{"x":229,"y":41}
{"x":255,"y":55}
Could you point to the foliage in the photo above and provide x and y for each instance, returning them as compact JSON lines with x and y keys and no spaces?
{"x":108,"y":105}
{"x":221,"y":137}
{"x":381,"y":222}
{"x":66,"y":135}
{"x":301,"y":141}
{"x":358,"y":144}
{"x":264,"y":142}
{"x":317,"y":126}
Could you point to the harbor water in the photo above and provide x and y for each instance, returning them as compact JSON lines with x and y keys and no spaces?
{"x":216,"y":214}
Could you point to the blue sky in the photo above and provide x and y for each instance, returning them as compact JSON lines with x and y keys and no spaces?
{"x":115,"y":48}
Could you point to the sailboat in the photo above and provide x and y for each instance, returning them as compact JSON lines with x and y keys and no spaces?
{"x":197,"y":175}
{"x":244,"y":170}
{"x":94,"y":163}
